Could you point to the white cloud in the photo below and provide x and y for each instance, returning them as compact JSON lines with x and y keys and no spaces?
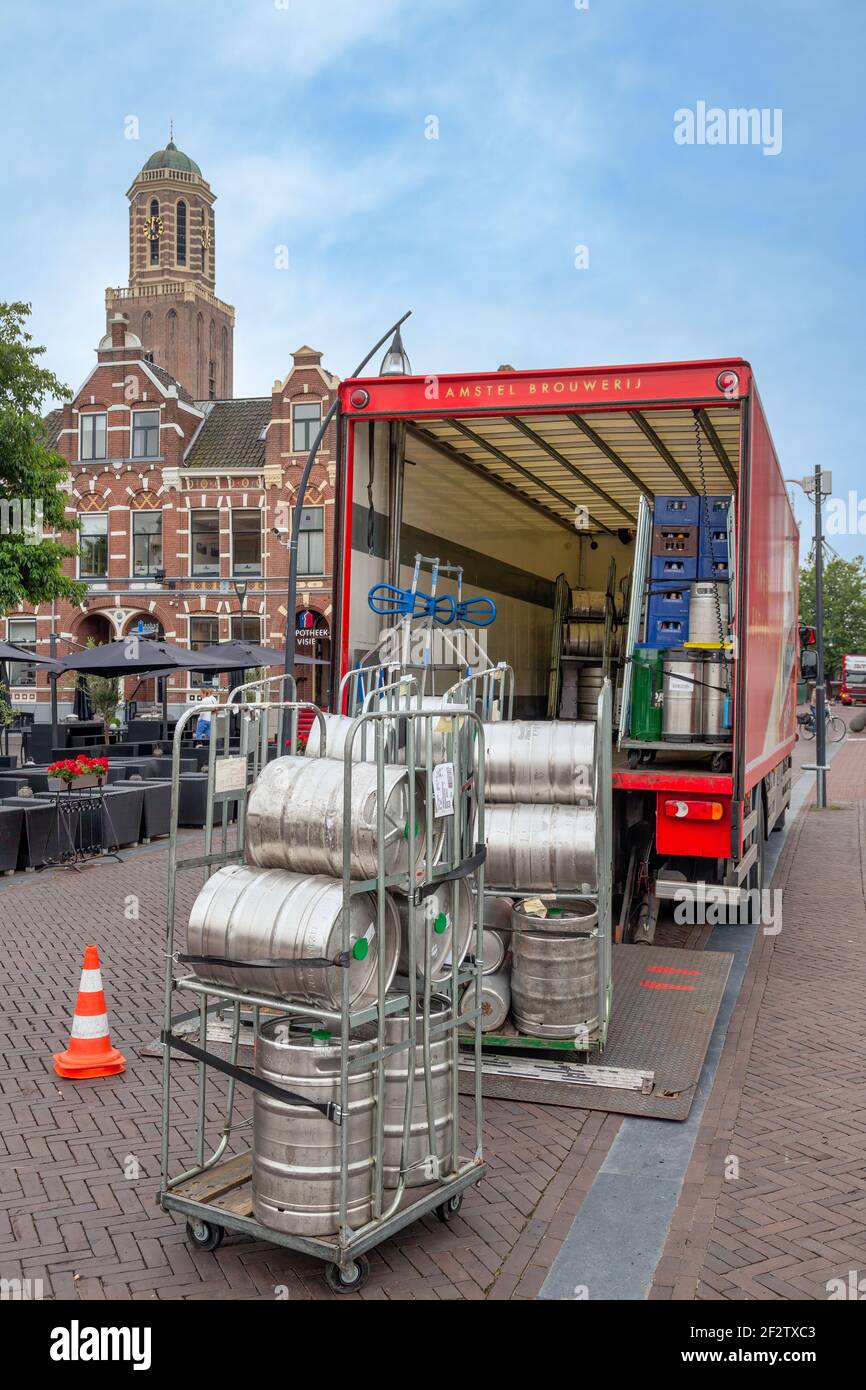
{"x":299,"y":38}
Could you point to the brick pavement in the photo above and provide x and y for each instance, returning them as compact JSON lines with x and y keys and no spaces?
{"x":70,"y":1216}
{"x":789,"y":1099}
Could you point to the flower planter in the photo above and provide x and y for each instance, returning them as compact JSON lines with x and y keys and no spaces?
{"x":59,"y":784}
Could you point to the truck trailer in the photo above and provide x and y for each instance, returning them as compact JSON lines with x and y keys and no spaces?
{"x":529,"y":488}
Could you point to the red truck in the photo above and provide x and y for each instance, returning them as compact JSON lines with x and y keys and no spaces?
{"x":518,"y":478}
{"x":852,"y":691}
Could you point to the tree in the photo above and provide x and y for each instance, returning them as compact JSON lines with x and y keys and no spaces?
{"x":844,"y":607}
{"x":32,"y":499}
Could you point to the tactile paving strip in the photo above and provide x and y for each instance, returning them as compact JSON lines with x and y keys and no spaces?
{"x":665,"y":1003}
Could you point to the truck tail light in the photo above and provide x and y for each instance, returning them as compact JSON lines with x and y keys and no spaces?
{"x":694,"y":810}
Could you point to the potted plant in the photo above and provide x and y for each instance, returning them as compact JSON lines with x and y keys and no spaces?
{"x":79,"y":772}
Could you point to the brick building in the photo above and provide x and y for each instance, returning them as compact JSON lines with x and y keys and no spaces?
{"x":177,"y":494}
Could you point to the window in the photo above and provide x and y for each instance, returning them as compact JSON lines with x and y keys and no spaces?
{"x":154,"y":241}
{"x":93,"y":436}
{"x":145,"y":434}
{"x":93,"y":544}
{"x":311,"y":541}
{"x":205,"y":538}
{"x":246,"y":629}
{"x":246,"y":542}
{"x":306,"y":419}
{"x":146,"y":542}
{"x":181,"y":233}
{"x":22,"y":632}
{"x":211,"y":380}
{"x":204,"y":630}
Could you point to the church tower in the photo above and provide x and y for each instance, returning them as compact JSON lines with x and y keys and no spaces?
{"x":170,"y":301}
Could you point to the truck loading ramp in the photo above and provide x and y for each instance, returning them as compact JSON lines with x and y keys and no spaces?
{"x":665,"y":1002}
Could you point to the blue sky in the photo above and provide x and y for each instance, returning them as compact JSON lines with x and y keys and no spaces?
{"x":556,"y":130}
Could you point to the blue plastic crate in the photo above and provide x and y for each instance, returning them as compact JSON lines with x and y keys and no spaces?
{"x":676,"y":511}
{"x":674,"y":569}
{"x":716,"y":545}
{"x":714,"y":567}
{"x":716,"y":508}
{"x":667,"y":632}
{"x":669,"y":603}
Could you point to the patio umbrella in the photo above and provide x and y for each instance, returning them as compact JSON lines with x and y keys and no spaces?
{"x":245,"y":654}
{"x":9,"y":652}
{"x":139,"y":656}
{"x":132,"y":656}
{"x":81,"y":704}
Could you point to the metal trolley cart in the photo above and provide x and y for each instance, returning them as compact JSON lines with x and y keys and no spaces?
{"x":510,"y":1038}
{"x":427,"y":849}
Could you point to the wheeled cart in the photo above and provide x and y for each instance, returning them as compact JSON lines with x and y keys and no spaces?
{"x":423,"y":824}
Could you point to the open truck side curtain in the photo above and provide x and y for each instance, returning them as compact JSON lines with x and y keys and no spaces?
{"x":518,"y":477}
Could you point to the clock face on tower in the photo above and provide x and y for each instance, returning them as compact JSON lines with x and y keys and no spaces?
{"x":153,"y":228}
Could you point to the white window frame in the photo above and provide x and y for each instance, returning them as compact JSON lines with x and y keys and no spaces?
{"x":87,"y":415}
{"x":81,"y":518}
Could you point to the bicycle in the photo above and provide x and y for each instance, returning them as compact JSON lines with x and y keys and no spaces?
{"x":836,"y":727}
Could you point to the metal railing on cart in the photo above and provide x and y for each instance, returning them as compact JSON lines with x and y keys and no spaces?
{"x":442,"y":754}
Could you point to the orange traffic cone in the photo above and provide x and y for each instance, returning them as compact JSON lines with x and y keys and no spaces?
{"x":90,"y":1052}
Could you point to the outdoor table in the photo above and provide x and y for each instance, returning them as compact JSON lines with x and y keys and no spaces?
{"x":144,"y":767}
{"x":35,"y":777}
{"x":77,"y":823}
{"x":11,"y":824}
{"x":122,"y":807}
{"x":192,"y":808}
{"x":186,"y":765}
{"x":92,"y":820}
{"x":156,"y":813}
{"x":39,"y":844}
{"x":116,"y":772}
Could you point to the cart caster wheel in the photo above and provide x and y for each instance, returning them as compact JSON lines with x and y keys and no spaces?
{"x":718,"y":762}
{"x":448,"y":1210}
{"x":350,"y":1279}
{"x":633,"y":760}
{"x":648,"y":755}
{"x":203,"y":1236}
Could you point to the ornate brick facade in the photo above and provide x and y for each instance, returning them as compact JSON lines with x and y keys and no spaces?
{"x":170,"y":300}
{"x":179,"y":498}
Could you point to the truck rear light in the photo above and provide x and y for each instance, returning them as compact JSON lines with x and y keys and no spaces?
{"x":694,"y":810}
{"x":359,"y":398}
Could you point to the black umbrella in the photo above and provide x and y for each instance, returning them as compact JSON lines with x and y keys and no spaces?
{"x":133,"y":655}
{"x":9,"y":652}
{"x":237,"y":654}
{"x":81,"y":704}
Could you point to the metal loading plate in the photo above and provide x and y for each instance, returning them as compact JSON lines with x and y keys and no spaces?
{"x":665,"y":1003}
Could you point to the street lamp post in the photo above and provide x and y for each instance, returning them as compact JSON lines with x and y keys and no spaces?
{"x":292,"y":597}
{"x":240,"y":587}
{"x":820,"y":682}
{"x":816,"y":484}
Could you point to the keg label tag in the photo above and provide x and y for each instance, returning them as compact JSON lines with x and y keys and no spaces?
{"x":534,"y":907}
{"x":443,"y":789}
{"x":230,"y":774}
{"x":678,"y":683}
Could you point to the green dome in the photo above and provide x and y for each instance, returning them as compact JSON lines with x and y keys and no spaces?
{"x":172,"y":158}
